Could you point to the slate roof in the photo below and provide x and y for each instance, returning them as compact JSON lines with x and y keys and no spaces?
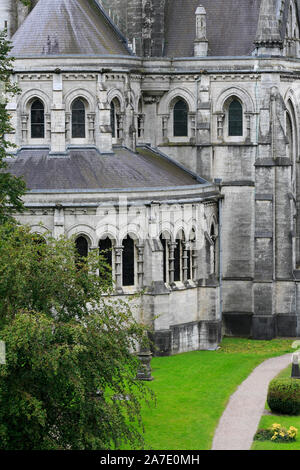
{"x":87,"y":169}
{"x":68,"y":27}
{"x":231,"y":26}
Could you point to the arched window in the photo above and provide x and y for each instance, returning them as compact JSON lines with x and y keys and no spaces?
{"x":115,"y":118}
{"x":37,"y":120}
{"x":78,"y":119}
{"x":39,"y":241}
{"x":105,"y":249}
{"x":180,"y":119}
{"x":112,"y":119}
{"x":128,"y":264}
{"x":235,"y":118}
{"x":82,"y":250}
{"x":178,"y":260}
{"x":290,"y":136}
{"x":165,"y":246}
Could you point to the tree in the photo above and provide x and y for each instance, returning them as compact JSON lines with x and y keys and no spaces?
{"x":69,"y":381}
{"x":12,"y":189}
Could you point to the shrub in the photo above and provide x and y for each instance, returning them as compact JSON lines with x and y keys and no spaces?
{"x":284,"y":396}
{"x":276,"y":433}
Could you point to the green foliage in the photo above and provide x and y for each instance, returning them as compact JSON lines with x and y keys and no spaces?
{"x":277,"y":433}
{"x":11,"y":188}
{"x":69,"y":350}
{"x":284,"y":396}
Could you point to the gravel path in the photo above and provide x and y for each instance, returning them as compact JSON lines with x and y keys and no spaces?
{"x":240,"y":419}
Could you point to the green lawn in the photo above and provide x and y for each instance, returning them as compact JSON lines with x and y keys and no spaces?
{"x":285,"y":420}
{"x":193,"y":389}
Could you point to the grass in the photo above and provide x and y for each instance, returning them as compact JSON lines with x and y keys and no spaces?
{"x":193,"y":389}
{"x":285,"y":421}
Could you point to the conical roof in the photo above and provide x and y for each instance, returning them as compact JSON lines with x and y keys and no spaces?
{"x":68,"y":27}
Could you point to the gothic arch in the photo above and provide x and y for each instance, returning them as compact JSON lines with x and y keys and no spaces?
{"x":133,"y":231}
{"x":167,"y":102}
{"x":83,"y":230}
{"x":40,"y":230}
{"x":240,"y":93}
{"x":116,"y":93}
{"x":109,"y":231}
{"x":85,"y":95}
{"x":28,"y":97}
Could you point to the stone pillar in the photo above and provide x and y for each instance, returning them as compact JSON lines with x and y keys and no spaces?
{"x":118,"y":268}
{"x":58,"y":125}
{"x":68,"y":127}
{"x":59,"y":221}
{"x":194,"y":264}
{"x":91,"y":127}
{"x":144,"y":372}
{"x":165,"y":123}
{"x":25,"y":118}
{"x":201,"y":42}
{"x":140,"y":265}
{"x":220,"y":125}
{"x":104,"y":137}
{"x":185,"y":261}
{"x":172,"y":247}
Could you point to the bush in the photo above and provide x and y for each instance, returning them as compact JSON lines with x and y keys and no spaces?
{"x":284,"y":396}
{"x":277,"y":433}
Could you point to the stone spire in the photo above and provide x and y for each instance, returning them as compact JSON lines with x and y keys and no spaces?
{"x":201,"y":42}
{"x":268,"y":38}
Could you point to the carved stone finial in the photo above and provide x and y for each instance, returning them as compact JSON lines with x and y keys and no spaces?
{"x":201,"y":43}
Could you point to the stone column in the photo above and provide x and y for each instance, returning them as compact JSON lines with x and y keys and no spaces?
{"x":91,"y":127}
{"x":194,"y":264}
{"x":172,"y":247}
{"x":59,"y":221}
{"x":68,"y":127}
{"x":104,"y":137}
{"x":185,"y":261}
{"x":118,"y":268}
{"x":25,"y":118}
{"x":220,"y":125}
{"x":165,"y":123}
{"x":58,"y":124}
{"x":140,"y":265}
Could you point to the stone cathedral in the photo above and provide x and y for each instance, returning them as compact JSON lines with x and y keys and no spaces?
{"x":166,"y":132}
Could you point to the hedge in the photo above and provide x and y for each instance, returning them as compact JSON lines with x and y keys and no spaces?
{"x":284,"y":396}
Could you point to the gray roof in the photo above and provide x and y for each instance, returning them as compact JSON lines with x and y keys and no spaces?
{"x":87,"y":169}
{"x":68,"y":27}
{"x":231,"y":26}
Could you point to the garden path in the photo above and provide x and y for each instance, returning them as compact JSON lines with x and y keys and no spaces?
{"x":241,"y":417}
